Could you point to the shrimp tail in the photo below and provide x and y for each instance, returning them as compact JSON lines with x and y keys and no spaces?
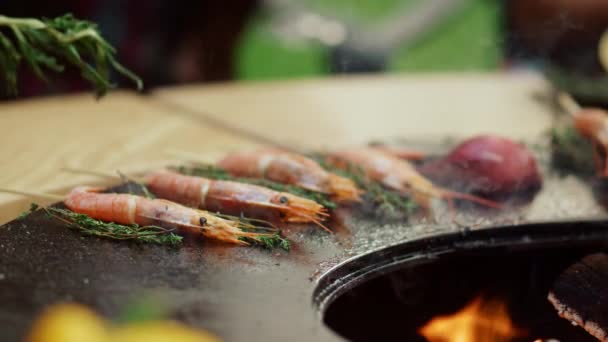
{"x":475,"y":199}
{"x":344,"y":189}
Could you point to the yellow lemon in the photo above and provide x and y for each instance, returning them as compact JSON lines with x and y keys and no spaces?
{"x":160,"y":331}
{"x":68,"y":323}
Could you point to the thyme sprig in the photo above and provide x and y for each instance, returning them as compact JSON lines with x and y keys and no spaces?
{"x":214,"y":172}
{"x":51,"y":44}
{"x":269,"y":242}
{"x":386,"y":203}
{"x":90,"y":226}
{"x":33,"y":207}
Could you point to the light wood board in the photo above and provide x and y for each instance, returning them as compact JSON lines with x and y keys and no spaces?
{"x":131,"y":133}
{"x":355,"y":110}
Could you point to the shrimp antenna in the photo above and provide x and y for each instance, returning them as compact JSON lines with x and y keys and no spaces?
{"x":402,"y":153}
{"x":53,"y":197}
{"x":318,"y":223}
{"x":472,"y":198}
{"x":568,"y":103}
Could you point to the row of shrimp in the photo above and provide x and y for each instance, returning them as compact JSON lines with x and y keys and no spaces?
{"x":389,"y":167}
{"x":202,"y":205}
{"x":189,"y":202}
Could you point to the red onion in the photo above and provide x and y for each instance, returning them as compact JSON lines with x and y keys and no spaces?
{"x":487,"y":165}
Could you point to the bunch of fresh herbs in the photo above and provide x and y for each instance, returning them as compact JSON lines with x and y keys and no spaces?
{"x":51,"y":44}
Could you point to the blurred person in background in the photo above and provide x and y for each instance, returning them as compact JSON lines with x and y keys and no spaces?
{"x":563,"y":32}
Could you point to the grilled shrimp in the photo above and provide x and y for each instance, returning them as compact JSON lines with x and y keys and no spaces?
{"x":592,"y":123}
{"x":399,"y":175}
{"x":291,"y":168}
{"x":235,"y":198}
{"x":132,"y":209}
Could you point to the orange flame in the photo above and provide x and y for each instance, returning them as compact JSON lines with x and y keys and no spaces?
{"x":480,"y":320}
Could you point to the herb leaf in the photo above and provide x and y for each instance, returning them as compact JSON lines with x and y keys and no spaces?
{"x":268,"y":242}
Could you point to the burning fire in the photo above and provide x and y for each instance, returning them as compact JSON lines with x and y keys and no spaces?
{"x":480,"y":320}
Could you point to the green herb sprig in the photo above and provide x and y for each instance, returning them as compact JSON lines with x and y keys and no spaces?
{"x":571,"y":152}
{"x":90,"y":226}
{"x":268,"y":242}
{"x":51,"y":44}
{"x":33,"y":207}
{"x":214,"y":172}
